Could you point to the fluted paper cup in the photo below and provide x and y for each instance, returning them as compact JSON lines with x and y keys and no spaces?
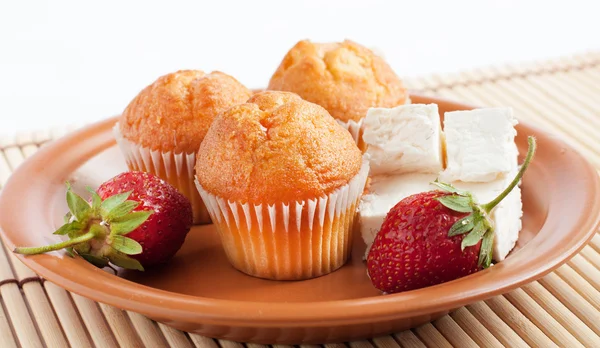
{"x":288,"y":240}
{"x":356,"y":130}
{"x":175,"y":168}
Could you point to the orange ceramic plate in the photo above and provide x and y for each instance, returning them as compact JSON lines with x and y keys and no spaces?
{"x":200,"y":292}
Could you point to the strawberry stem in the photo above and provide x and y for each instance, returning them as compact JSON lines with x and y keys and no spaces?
{"x":44,"y":249}
{"x":530,"y":153}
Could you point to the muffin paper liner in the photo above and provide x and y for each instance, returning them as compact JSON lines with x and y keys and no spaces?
{"x":288,"y":240}
{"x":355,"y":128}
{"x":175,"y":168}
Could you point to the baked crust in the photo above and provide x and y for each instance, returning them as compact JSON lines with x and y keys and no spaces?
{"x":345,"y":78}
{"x":276,"y":148}
{"x":175,"y":112}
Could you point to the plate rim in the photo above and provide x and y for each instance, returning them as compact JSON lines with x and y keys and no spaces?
{"x":147,"y":300}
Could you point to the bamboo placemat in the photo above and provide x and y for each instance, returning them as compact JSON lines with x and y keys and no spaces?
{"x":561,"y":309}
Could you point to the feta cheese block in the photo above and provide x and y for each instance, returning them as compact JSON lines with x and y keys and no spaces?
{"x":480,"y":144}
{"x":404,"y":139}
{"x":506,"y":216}
{"x":384,"y":192}
{"x":405,"y":148}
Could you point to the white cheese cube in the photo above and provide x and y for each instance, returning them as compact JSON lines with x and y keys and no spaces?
{"x":384,"y":193}
{"x":506,"y":216}
{"x":387,"y":191}
{"x":404,"y":147}
{"x":480,"y":144}
{"x":404,"y":139}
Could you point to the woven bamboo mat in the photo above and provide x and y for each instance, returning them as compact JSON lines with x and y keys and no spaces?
{"x":561,"y":309}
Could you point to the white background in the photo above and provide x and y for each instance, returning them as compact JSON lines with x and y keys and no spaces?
{"x":63,"y":62}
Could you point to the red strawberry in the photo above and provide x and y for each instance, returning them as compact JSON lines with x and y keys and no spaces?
{"x":152,"y":214}
{"x":434,"y":237}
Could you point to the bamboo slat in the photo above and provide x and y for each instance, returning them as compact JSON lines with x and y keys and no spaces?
{"x":360,"y":344}
{"x":68,"y":315}
{"x":6,"y":336}
{"x":561,"y":309}
{"x":147,"y":330}
{"x":24,"y":327}
{"x":580,"y":285}
{"x":175,"y":338}
{"x":431,"y":336}
{"x":51,"y":330}
{"x":453,"y":332}
{"x":201,"y":341}
{"x":561,"y":313}
{"x":407,"y":339}
{"x":541,"y":319}
{"x":573,"y":300}
{"x":595,"y":242}
{"x":230,"y":344}
{"x":385,"y":342}
{"x":475,"y":329}
{"x":591,"y":255}
{"x":94,"y":322}
{"x":120,"y":326}
{"x":586,"y":270}
{"x":518,"y":322}
{"x":499,"y":328}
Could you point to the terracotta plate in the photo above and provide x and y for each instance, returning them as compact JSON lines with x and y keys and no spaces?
{"x":199,"y":292}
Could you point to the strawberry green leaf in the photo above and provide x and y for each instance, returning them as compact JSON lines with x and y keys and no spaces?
{"x":67,"y":217}
{"x":461,"y":226}
{"x":96,"y":200}
{"x":76,"y":228}
{"x":124,"y":261}
{"x":485,"y":254}
{"x":95,"y":260}
{"x":121,"y":210}
{"x":447,"y":187}
{"x":77,"y":205}
{"x":457,"y":203}
{"x":475,"y":235}
{"x":126,"y":245}
{"x":67,"y":228}
{"x":69,"y":251}
{"x":129,"y":222}
{"x":70,"y":229}
{"x":113,"y":201}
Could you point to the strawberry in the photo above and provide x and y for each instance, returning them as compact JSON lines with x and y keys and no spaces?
{"x":434,"y":237}
{"x":134,"y":220}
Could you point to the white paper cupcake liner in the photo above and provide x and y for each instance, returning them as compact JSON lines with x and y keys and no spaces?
{"x":355,"y":128}
{"x":289,"y":240}
{"x":175,"y":168}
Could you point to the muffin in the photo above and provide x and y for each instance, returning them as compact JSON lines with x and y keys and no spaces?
{"x":162,"y":128}
{"x":281,"y":181}
{"x":345,"y":78}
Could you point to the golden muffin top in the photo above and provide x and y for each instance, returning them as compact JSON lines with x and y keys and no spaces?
{"x":276,"y":148}
{"x":175,"y":112}
{"x":345,"y":78}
